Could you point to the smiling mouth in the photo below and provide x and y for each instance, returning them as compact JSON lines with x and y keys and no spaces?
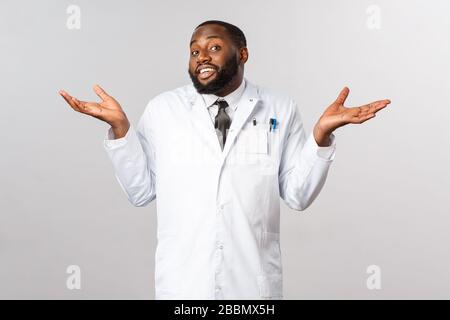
{"x":206,"y":73}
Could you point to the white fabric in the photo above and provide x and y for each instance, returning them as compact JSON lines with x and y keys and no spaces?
{"x":218,"y":212}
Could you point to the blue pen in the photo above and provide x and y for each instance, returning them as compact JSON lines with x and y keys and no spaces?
{"x":273,"y":123}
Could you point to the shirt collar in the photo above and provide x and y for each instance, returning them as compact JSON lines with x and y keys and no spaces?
{"x":232,"y":98}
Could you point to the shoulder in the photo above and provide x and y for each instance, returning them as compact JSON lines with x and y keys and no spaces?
{"x":165,"y":99}
{"x":275,"y":97}
{"x":181,"y":93}
{"x":280,"y":103}
{"x":266,"y":93}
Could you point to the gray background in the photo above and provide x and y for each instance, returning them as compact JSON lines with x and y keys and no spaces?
{"x":385,"y":201}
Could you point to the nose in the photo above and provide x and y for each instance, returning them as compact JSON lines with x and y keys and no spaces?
{"x":203,"y":57}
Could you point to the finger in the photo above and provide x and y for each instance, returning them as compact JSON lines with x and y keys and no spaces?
{"x":93,"y":109}
{"x":69,"y":99}
{"x":375,"y":106}
{"x":360,"y":111}
{"x":378,"y":105}
{"x":367,"y":117}
{"x":90,"y":108}
{"x":101,"y":93}
{"x":342,"y":96}
{"x":78,"y":104}
{"x":82,"y":106}
{"x":65,"y":95}
{"x":363,"y":118}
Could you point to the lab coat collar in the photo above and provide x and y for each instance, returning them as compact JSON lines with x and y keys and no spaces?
{"x":232,"y":98}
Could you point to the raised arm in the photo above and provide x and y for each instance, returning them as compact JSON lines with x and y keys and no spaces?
{"x":132,"y":152}
{"x":306,"y":159}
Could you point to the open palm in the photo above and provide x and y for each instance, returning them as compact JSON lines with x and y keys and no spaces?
{"x":108,"y":110}
{"x":337,"y":115}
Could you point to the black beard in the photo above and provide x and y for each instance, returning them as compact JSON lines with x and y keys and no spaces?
{"x":224,"y":76}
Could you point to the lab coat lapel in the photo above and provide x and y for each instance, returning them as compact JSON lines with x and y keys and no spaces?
{"x":201,"y":121}
{"x":245,"y":108}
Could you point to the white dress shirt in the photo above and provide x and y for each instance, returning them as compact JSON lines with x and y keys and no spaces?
{"x":232,"y":99}
{"x":218,"y":211}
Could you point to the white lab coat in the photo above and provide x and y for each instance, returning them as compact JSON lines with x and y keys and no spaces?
{"x":218,"y":212}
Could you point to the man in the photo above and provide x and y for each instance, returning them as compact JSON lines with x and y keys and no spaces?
{"x":219,"y":154}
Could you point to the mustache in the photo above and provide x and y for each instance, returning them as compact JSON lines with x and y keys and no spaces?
{"x":217,"y":68}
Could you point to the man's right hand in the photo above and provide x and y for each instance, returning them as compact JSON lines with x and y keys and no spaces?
{"x":108,"y":110}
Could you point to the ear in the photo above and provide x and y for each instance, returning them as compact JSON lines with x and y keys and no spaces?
{"x":243,"y":55}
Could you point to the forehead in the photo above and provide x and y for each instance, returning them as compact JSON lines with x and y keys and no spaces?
{"x":210,"y":31}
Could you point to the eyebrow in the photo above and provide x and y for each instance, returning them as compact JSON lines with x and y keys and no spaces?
{"x":208,"y":37}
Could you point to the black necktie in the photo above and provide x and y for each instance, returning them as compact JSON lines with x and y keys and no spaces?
{"x":222,"y":121}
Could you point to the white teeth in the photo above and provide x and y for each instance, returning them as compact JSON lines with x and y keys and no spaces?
{"x":206,"y":70}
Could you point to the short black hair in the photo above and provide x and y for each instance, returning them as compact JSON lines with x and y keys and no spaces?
{"x":236,"y":34}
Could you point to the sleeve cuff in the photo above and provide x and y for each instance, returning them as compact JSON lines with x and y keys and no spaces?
{"x":111,"y":143}
{"x":325,"y":153}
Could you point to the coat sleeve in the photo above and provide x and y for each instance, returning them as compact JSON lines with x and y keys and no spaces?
{"x":304,"y":165}
{"x":133,"y":160}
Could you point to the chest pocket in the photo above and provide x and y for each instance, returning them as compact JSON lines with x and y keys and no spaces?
{"x":253,"y":140}
{"x":253,"y":149}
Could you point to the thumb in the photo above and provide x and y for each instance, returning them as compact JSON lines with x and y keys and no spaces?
{"x":101,"y":93}
{"x":342,"y":96}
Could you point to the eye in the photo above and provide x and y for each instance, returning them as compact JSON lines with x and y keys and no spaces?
{"x":215,"y":48}
{"x":194,"y":53}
